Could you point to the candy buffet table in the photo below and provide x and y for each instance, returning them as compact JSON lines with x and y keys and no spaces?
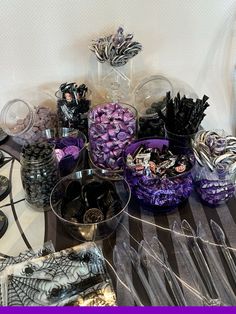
{"x":29,"y":228}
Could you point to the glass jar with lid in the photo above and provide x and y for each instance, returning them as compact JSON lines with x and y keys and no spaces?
{"x":149,"y":97}
{"x":25,"y":118}
{"x":39,"y":173}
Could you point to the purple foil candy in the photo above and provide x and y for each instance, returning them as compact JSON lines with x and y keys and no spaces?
{"x":215,"y":192}
{"x":59,"y":154}
{"x":110,"y":130}
{"x":69,"y":141}
{"x":122,"y":136}
{"x":72,"y":150}
{"x":105,"y":137}
{"x":163,"y":192}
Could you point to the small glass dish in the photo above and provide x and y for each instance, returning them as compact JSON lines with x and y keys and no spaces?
{"x":85,"y":231}
{"x":159,"y":194}
{"x":69,"y":148}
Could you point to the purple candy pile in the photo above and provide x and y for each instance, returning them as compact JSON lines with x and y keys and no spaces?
{"x":214,"y":192}
{"x":163,"y":192}
{"x":44,"y":118}
{"x":111,"y":127}
{"x":67,"y":146}
{"x":157,"y":174}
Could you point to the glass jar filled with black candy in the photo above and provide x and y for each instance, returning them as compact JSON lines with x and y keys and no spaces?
{"x":149,"y":99}
{"x":39,"y":173}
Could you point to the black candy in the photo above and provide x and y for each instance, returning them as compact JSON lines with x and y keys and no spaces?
{"x":3,"y":223}
{"x":39,"y":173}
{"x":93,"y":202}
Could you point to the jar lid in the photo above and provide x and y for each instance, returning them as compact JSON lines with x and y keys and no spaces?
{"x":150,"y":93}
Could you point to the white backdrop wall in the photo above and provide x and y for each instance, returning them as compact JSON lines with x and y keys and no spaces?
{"x":45,"y":43}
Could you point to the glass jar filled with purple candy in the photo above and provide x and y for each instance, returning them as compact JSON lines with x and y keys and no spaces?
{"x":25,"y":120}
{"x":215,"y":169}
{"x":112,"y":126}
{"x":69,"y":145}
{"x":159,"y":173}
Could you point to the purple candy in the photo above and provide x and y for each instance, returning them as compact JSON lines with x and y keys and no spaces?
{"x":105,"y":137}
{"x":69,"y":141}
{"x":108,"y":128}
{"x":122,"y":136}
{"x":214,"y":192}
{"x":166,"y":193}
{"x":59,"y":154}
{"x":72,"y":150}
{"x":112,"y":132}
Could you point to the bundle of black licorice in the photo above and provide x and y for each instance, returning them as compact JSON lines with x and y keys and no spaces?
{"x":183,"y":115}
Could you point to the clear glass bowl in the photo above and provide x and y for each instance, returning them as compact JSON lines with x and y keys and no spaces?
{"x":90,"y":231}
{"x":63,"y":138}
{"x":159,"y":194}
{"x":213,"y":188}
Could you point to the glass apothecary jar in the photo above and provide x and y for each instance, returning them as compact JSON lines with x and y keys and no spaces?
{"x":73,"y":104}
{"x":149,"y":96}
{"x":39,"y":173}
{"x":112,"y":126}
{"x":25,"y":119}
{"x":212,"y":186}
{"x":115,"y":81}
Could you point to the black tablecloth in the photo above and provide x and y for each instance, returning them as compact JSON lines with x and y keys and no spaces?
{"x":147,"y":225}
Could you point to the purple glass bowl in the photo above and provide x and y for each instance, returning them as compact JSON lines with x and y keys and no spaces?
{"x":112,"y":126}
{"x":212,"y":188}
{"x":159,"y":195}
{"x":70,"y":143}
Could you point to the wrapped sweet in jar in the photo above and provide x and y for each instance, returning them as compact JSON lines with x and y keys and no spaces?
{"x":25,"y":120}
{"x":215,"y":169}
{"x":112,"y":126}
{"x":73,"y":104}
{"x":159,"y":173}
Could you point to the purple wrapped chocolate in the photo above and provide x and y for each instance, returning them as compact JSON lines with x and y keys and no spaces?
{"x":72,"y":150}
{"x":159,"y":173}
{"x":212,"y":186}
{"x":112,"y":126}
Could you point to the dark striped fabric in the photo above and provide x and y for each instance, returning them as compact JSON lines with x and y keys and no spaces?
{"x":132,"y":231}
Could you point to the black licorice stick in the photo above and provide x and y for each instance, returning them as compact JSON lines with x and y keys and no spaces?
{"x":183,"y":115}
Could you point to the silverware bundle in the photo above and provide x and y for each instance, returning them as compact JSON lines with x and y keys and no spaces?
{"x":203,"y":280}
{"x":116,"y":49}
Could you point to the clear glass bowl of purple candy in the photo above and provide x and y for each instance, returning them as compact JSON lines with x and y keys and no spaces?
{"x":68,"y":207}
{"x":213,"y":186}
{"x":69,"y":148}
{"x":160,"y":194}
{"x":112,"y":126}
